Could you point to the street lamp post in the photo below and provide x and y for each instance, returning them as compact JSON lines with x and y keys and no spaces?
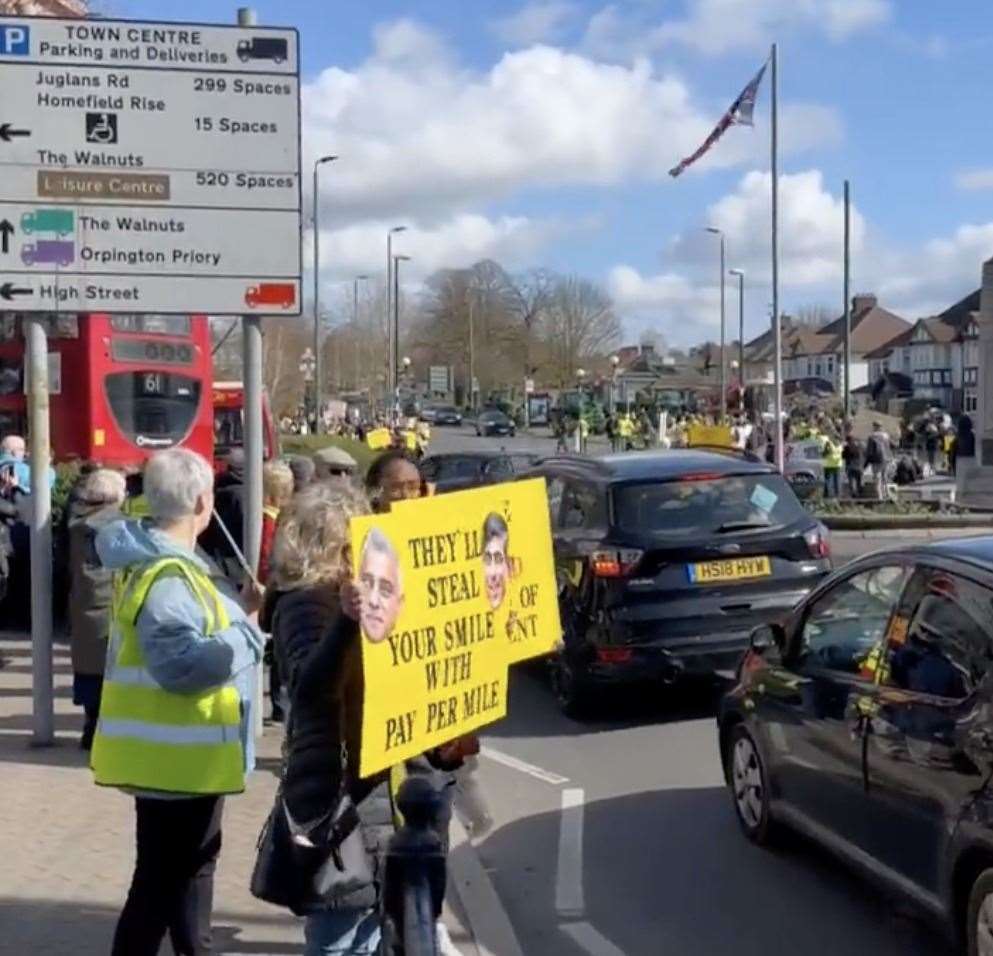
{"x":397,"y":259}
{"x":319,"y":368}
{"x":724,"y":396}
{"x":307,"y":365}
{"x":615,"y":362}
{"x":580,"y":376}
{"x":740,"y":273}
{"x":391,"y":357}
{"x":355,"y":323}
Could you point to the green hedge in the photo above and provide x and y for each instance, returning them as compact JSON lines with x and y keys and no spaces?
{"x":308,"y":444}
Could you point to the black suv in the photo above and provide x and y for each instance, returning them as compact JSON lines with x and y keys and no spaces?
{"x":865,"y":721}
{"x":667,"y":560}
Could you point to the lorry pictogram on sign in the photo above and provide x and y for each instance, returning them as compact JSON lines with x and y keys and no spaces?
{"x":263,"y":48}
{"x":51,"y":251}
{"x":282,"y":294}
{"x":60,"y":221}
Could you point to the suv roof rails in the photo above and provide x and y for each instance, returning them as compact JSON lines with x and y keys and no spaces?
{"x":583,"y":460}
{"x":725,"y":450}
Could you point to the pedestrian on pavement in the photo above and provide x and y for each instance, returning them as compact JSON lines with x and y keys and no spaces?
{"x":878,"y":456}
{"x":393,"y":476}
{"x":303,"y":469}
{"x":177,"y":711}
{"x":334,"y":464}
{"x":96,"y":504}
{"x":229,"y":496}
{"x":851,"y":455}
{"x":931,"y":441}
{"x":832,"y":459}
{"x":312,"y":611}
{"x":277,"y":492}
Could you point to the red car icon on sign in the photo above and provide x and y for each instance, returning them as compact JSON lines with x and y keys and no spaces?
{"x":282,"y":294}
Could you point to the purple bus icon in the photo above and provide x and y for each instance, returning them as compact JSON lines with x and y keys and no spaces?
{"x":49,"y":251}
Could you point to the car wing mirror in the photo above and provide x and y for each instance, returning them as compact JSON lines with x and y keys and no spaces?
{"x":768,"y":641}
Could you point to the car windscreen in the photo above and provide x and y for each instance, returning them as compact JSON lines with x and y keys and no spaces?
{"x":696,"y":507}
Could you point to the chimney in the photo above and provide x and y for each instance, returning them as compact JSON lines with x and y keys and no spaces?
{"x":863,"y":302}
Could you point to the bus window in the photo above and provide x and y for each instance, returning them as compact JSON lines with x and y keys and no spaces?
{"x":10,"y":376}
{"x":228,"y":428}
{"x":150,"y":324}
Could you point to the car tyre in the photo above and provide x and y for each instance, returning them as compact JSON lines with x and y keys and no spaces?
{"x":749,"y":787}
{"x":979,"y":916}
{"x":572,"y":691}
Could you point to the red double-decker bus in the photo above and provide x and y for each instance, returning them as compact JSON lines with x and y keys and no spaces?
{"x":122,"y":386}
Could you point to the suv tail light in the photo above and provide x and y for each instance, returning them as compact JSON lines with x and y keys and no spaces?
{"x":615,"y":564}
{"x":818,"y":542}
{"x":614,"y":655}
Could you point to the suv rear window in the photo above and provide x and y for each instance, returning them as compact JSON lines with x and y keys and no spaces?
{"x":705,"y":506}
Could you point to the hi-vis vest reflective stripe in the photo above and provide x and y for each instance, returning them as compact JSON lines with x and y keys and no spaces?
{"x":148,"y":738}
{"x":136,"y":507}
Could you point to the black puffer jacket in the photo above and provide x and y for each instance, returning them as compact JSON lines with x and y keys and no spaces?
{"x":318,"y":654}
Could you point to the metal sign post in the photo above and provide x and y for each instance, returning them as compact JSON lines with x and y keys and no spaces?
{"x":36,"y":358}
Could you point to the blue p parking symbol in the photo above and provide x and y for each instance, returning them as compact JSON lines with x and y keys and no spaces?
{"x":15,"y":40}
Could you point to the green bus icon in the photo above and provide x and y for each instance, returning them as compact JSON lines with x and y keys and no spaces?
{"x":60,"y":221}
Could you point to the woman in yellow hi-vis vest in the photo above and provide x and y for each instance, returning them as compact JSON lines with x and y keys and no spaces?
{"x":175,"y":725}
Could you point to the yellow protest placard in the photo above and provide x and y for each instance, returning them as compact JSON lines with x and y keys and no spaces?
{"x":454,"y":590}
{"x":718,"y":436}
{"x":379,"y":438}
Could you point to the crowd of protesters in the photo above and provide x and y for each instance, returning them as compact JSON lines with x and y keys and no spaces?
{"x":167,"y":632}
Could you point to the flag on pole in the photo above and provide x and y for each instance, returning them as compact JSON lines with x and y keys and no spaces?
{"x":740,"y":113}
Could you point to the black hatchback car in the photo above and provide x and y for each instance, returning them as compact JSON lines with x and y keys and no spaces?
{"x":456,"y":471}
{"x":494,"y":422}
{"x":865,"y":721}
{"x":667,"y":560}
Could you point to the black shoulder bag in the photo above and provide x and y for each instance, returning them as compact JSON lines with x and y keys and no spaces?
{"x":307,"y":866}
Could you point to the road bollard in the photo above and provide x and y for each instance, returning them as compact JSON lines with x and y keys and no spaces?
{"x":414,"y":883}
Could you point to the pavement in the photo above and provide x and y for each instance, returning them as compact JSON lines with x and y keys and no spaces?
{"x":67,"y":846}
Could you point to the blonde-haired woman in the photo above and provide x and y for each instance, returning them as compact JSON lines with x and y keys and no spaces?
{"x":311,"y":610}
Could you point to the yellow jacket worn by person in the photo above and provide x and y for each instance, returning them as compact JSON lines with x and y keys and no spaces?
{"x":176,"y":710}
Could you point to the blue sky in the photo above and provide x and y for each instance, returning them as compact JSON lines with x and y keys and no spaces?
{"x":540,"y":134}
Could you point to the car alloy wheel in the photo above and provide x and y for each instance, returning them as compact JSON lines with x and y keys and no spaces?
{"x":984,"y":927}
{"x":979,"y":919}
{"x":751,"y":794}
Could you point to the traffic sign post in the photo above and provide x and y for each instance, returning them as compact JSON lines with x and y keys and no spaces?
{"x":149,"y":167}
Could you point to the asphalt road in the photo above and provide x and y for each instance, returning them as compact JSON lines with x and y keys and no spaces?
{"x":617,"y":837}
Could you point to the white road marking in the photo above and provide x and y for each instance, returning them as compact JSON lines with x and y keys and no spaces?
{"x":569,"y":899}
{"x":591,"y":939}
{"x":498,"y":756}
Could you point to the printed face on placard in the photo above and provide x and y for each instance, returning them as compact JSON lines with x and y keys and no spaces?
{"x":380,"y":587}
{"x":496,"y":565}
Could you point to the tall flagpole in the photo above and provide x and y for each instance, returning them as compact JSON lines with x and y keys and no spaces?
{"x":777,"y":331}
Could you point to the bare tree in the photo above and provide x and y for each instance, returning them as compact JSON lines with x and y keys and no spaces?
{"x":580,"y":325}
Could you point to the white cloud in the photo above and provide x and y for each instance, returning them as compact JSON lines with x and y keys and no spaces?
{"x":535,"y":23}
{"x":811,"y":229}
{"x":928,"y":279}
{"x":974,"y":179}
{"x":683,"y":300}
{"x":419,"y":135}
{"x":717,"y":26}
{"x":682,"y":309}
{"x":460,"y":241}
